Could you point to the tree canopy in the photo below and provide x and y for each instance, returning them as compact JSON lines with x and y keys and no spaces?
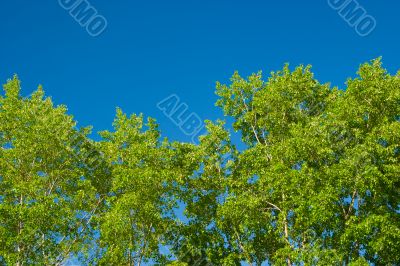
{"x":315,"y":179}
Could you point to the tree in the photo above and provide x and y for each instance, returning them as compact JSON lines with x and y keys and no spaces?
{"x":141,"y":202}
{"x":318,"y":180}
{"x":46,"y":200}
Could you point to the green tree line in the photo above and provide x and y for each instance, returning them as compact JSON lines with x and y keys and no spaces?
{"x":316,"y":180}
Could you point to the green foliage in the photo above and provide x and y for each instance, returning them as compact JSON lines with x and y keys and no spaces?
{"x":316,"y":180}
{"x":140,"y":203}
{"x":319,"y":180}
{"x":46,"y":201}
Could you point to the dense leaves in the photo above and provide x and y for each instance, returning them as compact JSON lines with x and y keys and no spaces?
{"x":46,"y":200}
{"x":314,"y":181}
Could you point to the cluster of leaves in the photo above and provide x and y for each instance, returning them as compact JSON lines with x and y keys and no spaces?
{"x":315,"y":182}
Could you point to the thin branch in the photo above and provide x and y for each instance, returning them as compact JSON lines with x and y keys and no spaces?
{"x":351,"y":205}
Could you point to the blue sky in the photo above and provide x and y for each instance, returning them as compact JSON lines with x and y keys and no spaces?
{"x":152,"y":49}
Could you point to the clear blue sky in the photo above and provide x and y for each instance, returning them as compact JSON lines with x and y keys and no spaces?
{"x":152,"y":49}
